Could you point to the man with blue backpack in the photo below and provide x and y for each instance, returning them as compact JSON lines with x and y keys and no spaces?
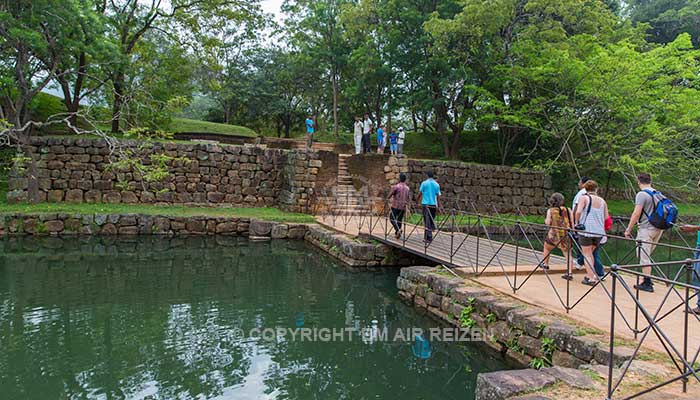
{"x":653,"y":213}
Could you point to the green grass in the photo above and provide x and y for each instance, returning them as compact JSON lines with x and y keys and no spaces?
{"x":190,"y":125}
{"x":625,"y":208}
{"x":268,"y":214}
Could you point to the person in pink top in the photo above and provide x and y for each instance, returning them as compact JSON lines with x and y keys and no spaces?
{"x":399,"y":196}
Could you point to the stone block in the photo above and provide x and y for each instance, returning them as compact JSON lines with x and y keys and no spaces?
{"x":260,"y":228}
{"x":226,"y":228}
{"x":582,"y":347}
{"x":502,"y":385}
{"x":195,"y":226}
{"x":296,"y":232}
{"x":279,"y":231}
{"x":571,"y":377}
{"x":620,"y":355}
{"x":564,"y":359}
{"x":532,"y":346}
{"x":55,"y":226}
{"x":129,"y":230}
{"x":160,"y":225}
{"x":433,"y":299}
{"x":55,"y":196}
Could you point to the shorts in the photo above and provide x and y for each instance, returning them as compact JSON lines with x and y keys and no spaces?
{"x":589,"y":241}
{"x":394,"y":147}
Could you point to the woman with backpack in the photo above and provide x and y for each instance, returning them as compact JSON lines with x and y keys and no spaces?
{"x":591,"y":215}
{"x":559,"y":220}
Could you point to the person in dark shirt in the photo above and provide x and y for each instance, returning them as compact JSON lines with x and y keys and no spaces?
{"x":399,"y":196}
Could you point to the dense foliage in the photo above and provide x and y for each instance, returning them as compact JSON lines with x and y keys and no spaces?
{"x":600,"y":87}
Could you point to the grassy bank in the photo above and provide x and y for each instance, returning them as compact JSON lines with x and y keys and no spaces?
{"x":268,"y":214}
{"x":190,"y":125}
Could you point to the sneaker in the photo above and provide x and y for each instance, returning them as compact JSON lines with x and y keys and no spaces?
{"x":645,"y":287}
{"x":578,"y":266}
{"x":567,"y":277}
{"x":589,"y":282}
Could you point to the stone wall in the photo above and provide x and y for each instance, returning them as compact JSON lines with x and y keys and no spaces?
{"x":511,"y":326}
{"x":486,"y":186}
{"x":357,"y":253}
{"x":75,"y":170}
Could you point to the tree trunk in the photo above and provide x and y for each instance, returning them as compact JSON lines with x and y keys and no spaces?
{"x":118,"y":83}
{"x":335,"y":105}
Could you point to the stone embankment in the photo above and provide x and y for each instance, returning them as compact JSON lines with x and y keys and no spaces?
{"x":525,"y":333}
{"x":359,"y":253}
{"x":350,"y":251}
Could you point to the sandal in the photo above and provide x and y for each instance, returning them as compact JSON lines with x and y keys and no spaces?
{"x":568,"y":277}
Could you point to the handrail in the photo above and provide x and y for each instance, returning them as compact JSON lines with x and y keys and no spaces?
{"x":451,"y":221}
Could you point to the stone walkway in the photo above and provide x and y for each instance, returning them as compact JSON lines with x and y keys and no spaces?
{"x":593,"y":310}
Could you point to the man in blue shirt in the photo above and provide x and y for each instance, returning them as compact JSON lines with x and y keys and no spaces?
{"x":309,"y":132}
{"x":429,"y":197}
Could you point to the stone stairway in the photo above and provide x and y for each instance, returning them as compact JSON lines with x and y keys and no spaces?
{"x":347,"y":201}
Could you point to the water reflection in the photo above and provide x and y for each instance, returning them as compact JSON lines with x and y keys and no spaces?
{"x":163,"y":318}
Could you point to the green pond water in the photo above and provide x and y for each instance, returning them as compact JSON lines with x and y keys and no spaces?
{"x":175,"y":318}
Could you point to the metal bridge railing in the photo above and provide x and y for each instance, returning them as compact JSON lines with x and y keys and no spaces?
{"x":490,"y":236}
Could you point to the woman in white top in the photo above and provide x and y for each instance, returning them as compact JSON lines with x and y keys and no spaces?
{"x":358,"y":134}
{"x":592,"y":211}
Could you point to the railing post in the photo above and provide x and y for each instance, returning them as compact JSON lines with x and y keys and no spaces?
{"x":611,"y":364}
{"x":517,"y":252}
{"x":688,"y":279}
{"x":569,"y":269}
{"x":636,"y":293}
{"x":452,"y":236}
{"x":478,"y":228}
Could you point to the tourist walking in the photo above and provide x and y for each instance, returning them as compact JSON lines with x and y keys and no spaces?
{"x":380,"y":139}
{"x":648,"y":235}
{"x":591,"y":215}
{"x":366,"y":135}
{"x":559,"y":219}
{"x":393,"y":143}
{"x":429,"y":197}
{"x":580,"y":259}
{"x":399,"y":196}
{"x":309,"y":132}
{"x":402,"y":139}
{"x":357,"y":134}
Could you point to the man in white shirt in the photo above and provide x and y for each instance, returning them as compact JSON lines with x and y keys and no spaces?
{"x":580,"y":193}
{"x":358,"y":134}
{"x":402,"y":139}
{"x":366,"y":132}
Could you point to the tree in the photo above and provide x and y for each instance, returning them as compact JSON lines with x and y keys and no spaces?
{"x":486,"y":44}
{"x":190,"y":21}
{"x":668,"y":18}
{"x":316,"y":30}
{"x":34,"y":37}
{"x":79,"y":75}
